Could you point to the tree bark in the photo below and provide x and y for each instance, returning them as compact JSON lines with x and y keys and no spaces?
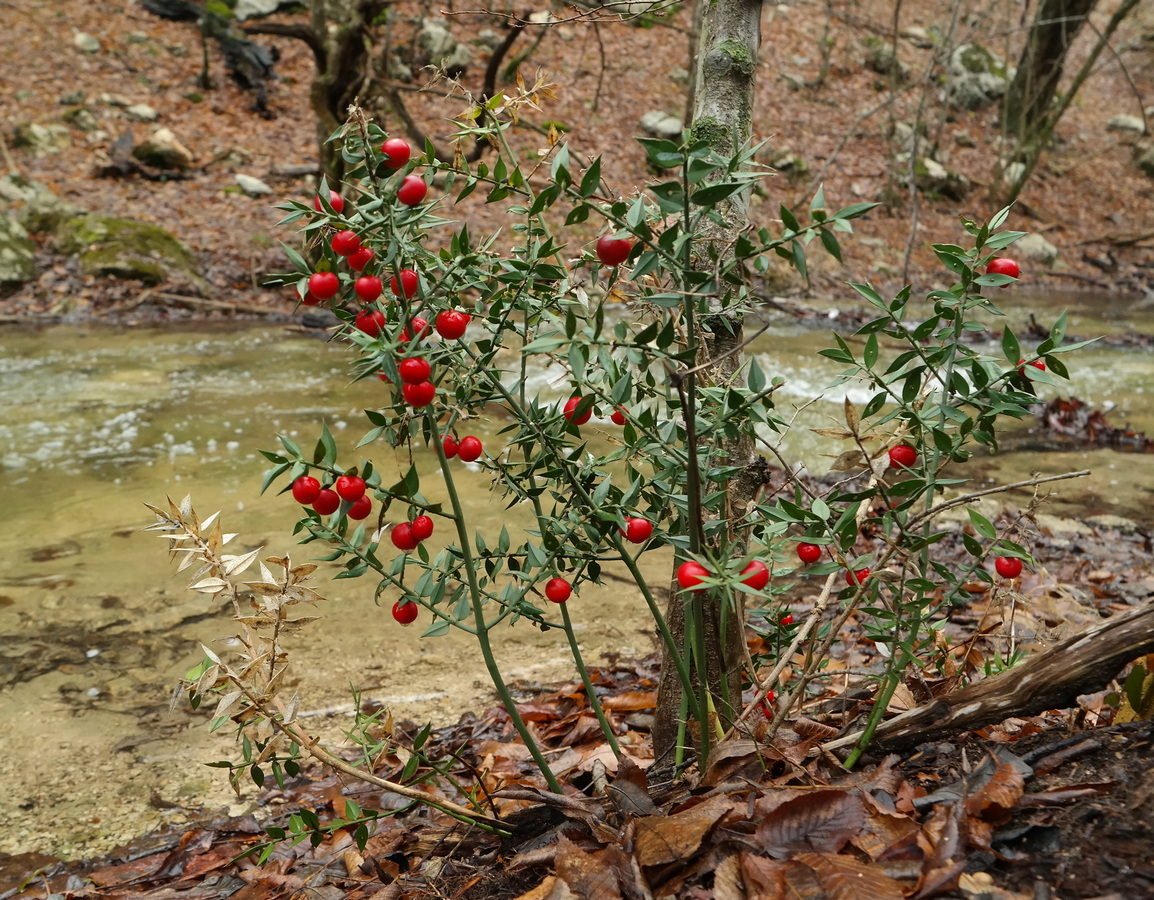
{"x":724,"y":82}
{"x":1040,"y":66}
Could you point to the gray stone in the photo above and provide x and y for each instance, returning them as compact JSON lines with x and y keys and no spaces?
{"x":42,"y":140}
{"x":254,"y":187}
{"x":459,"y":60}
{"x":1013,"y":172}
{"x":115,"y":100}
{"x":975,"y":78}
{"x":1132,"y":125}
{"x":679,"y":75}
{"x":143,"y":112}
{"x":72,"y":98}
{"x":881,"y":58}
{"x":932,"y":178}
{"x":1144,"y":160}
{"x":81,"y":117}
{"x":17,"y":253}
{"x":34,"y":206}
{"x":1036,"y":248}
{"x":904,"y":133}
{"x":488,"y":39}
{"x":85,"y":43}
{"x":965,"y":139}
{"x":918,"y":37}
{"x":254,"y":9}
{"x":436,"y":40}
{"x":662,"y":125}
{"x":163,"y":151}
{"x":125,"y":248}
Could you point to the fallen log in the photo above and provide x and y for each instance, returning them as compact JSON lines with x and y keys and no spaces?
{"x":1052,"y":679}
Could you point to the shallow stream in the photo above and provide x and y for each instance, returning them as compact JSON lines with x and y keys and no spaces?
{"x":96,"y":629}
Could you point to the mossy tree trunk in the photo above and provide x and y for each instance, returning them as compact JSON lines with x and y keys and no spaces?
{"x":729,"y":41}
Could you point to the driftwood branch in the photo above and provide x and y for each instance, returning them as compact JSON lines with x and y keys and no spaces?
{"x":1052,"y":679}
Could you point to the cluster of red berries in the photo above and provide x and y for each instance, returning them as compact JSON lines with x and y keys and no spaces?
{"x":467,"y":448}
{"x":691,"y":575}
{"x":407,"y":535}
{"x":307,"y":491}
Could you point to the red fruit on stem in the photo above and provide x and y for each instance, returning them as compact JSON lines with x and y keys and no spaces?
{"x":613,"y":251}
{"x":787,"y":619}
{"x":402,"y":537}
{"x":309,"y":299}
{"x":421,"y":528}
{"x":618,"y":416}
{"x":350,"y":487}
{"x":570,"y":407}
{"x":327,"y":502}
{"x":412,"y":190}
{"x":558,"y":590}
{"x":1003,"y":265}
{"x":414,"y":370}
{"x":449,"y":445}
{"x":902,"y":456}
{"x":346,"y":243}
{"x":397,"y":153}
{"x":766,"y":705}
{"x":370,"y":321}
{"x":689,"y":575}
{"x":637,"y":531}
{"x":853,"y":579}
{"x":405,"y":611}
{"x":469,"y":449}
{"x":755,"y":575}
{"x":419,"y":395}
{"x":1008,"y":566}
{"x":417,"y":328}
{"x":360,"y":259}
{"x":1039,"y":364}
{"x":368,"y":288}
{"x":384,"y":377}
{"x":408,"y":283}
{"x":451,"y":324}
{"x":336,"y":201}
{"x":324,"y":285}
{"x":808,"y":553}
{"x":361,"y":508}
{"x":306,"y":489}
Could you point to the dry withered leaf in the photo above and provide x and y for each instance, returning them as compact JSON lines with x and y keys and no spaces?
{"x":631,"y":701}
{"x":585,"y":873}
{"x":821,"y":821}
{"x":994,"y":802}
{"x":552,"y":888}
{"x":764,"y":878}
{"x":666,"y":839}
{"x":1070,"y":793}
{"x":846,"y":878}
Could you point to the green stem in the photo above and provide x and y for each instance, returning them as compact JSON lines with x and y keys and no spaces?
{"x":606,"y":728}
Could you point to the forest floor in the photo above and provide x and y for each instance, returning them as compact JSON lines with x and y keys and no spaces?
{"x":1048,"y":806}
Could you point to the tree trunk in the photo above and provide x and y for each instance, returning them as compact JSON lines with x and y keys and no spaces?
{"x":727,"y":52}
{"x":1040,"y":67}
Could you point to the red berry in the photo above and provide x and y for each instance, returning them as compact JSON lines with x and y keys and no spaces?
{"x":384,"y":377}
{"x":324,"y":285}
{"x":902,"y":456}
{"x":405,"y":611}
{"x":368,"y":288}
{"x":689,"y":575}
{"x":1039,"y":364}
{"x":327,"y":502}
{"x":360,"y":259}
{"x":571,"y":405}
{"x":613,"y":251}
{"x":421,"y":528}
{"x":350,"y":487}
{"x":787,"y":619}
{"x":767,"y":704}
{"x":853,"y":579}
{"x":469,"y":449}
{"x":1008,"y":566}
{"x":419,"y":394}
{"x":402,"y":537}
{"x":420,"y":329}
{"x":397,"y":153}
{"x":412,"y":190}
{"x":336,"y":201}
{"x":346,"y":243}
{"x":449,"y":445}
{"x":370,"y":321}
{"x":755,"y":575}
{"x":558,"y":590}
{"x":451,"y":324}
{"x":408,"y":284}
{"x":618,"y":416}
{"x":808,"y":553}
{"x":361,"y":508}
{"x":414,"y":370}
{"x":306,"y":489}
{"x":637,"y":531}
{"x":309,"y":299}
{"x":1003,"y":265}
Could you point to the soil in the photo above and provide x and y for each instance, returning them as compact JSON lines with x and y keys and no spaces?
{"x":1088,"y":198}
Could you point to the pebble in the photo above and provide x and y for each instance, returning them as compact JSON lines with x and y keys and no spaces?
{"x":85,"y":43}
